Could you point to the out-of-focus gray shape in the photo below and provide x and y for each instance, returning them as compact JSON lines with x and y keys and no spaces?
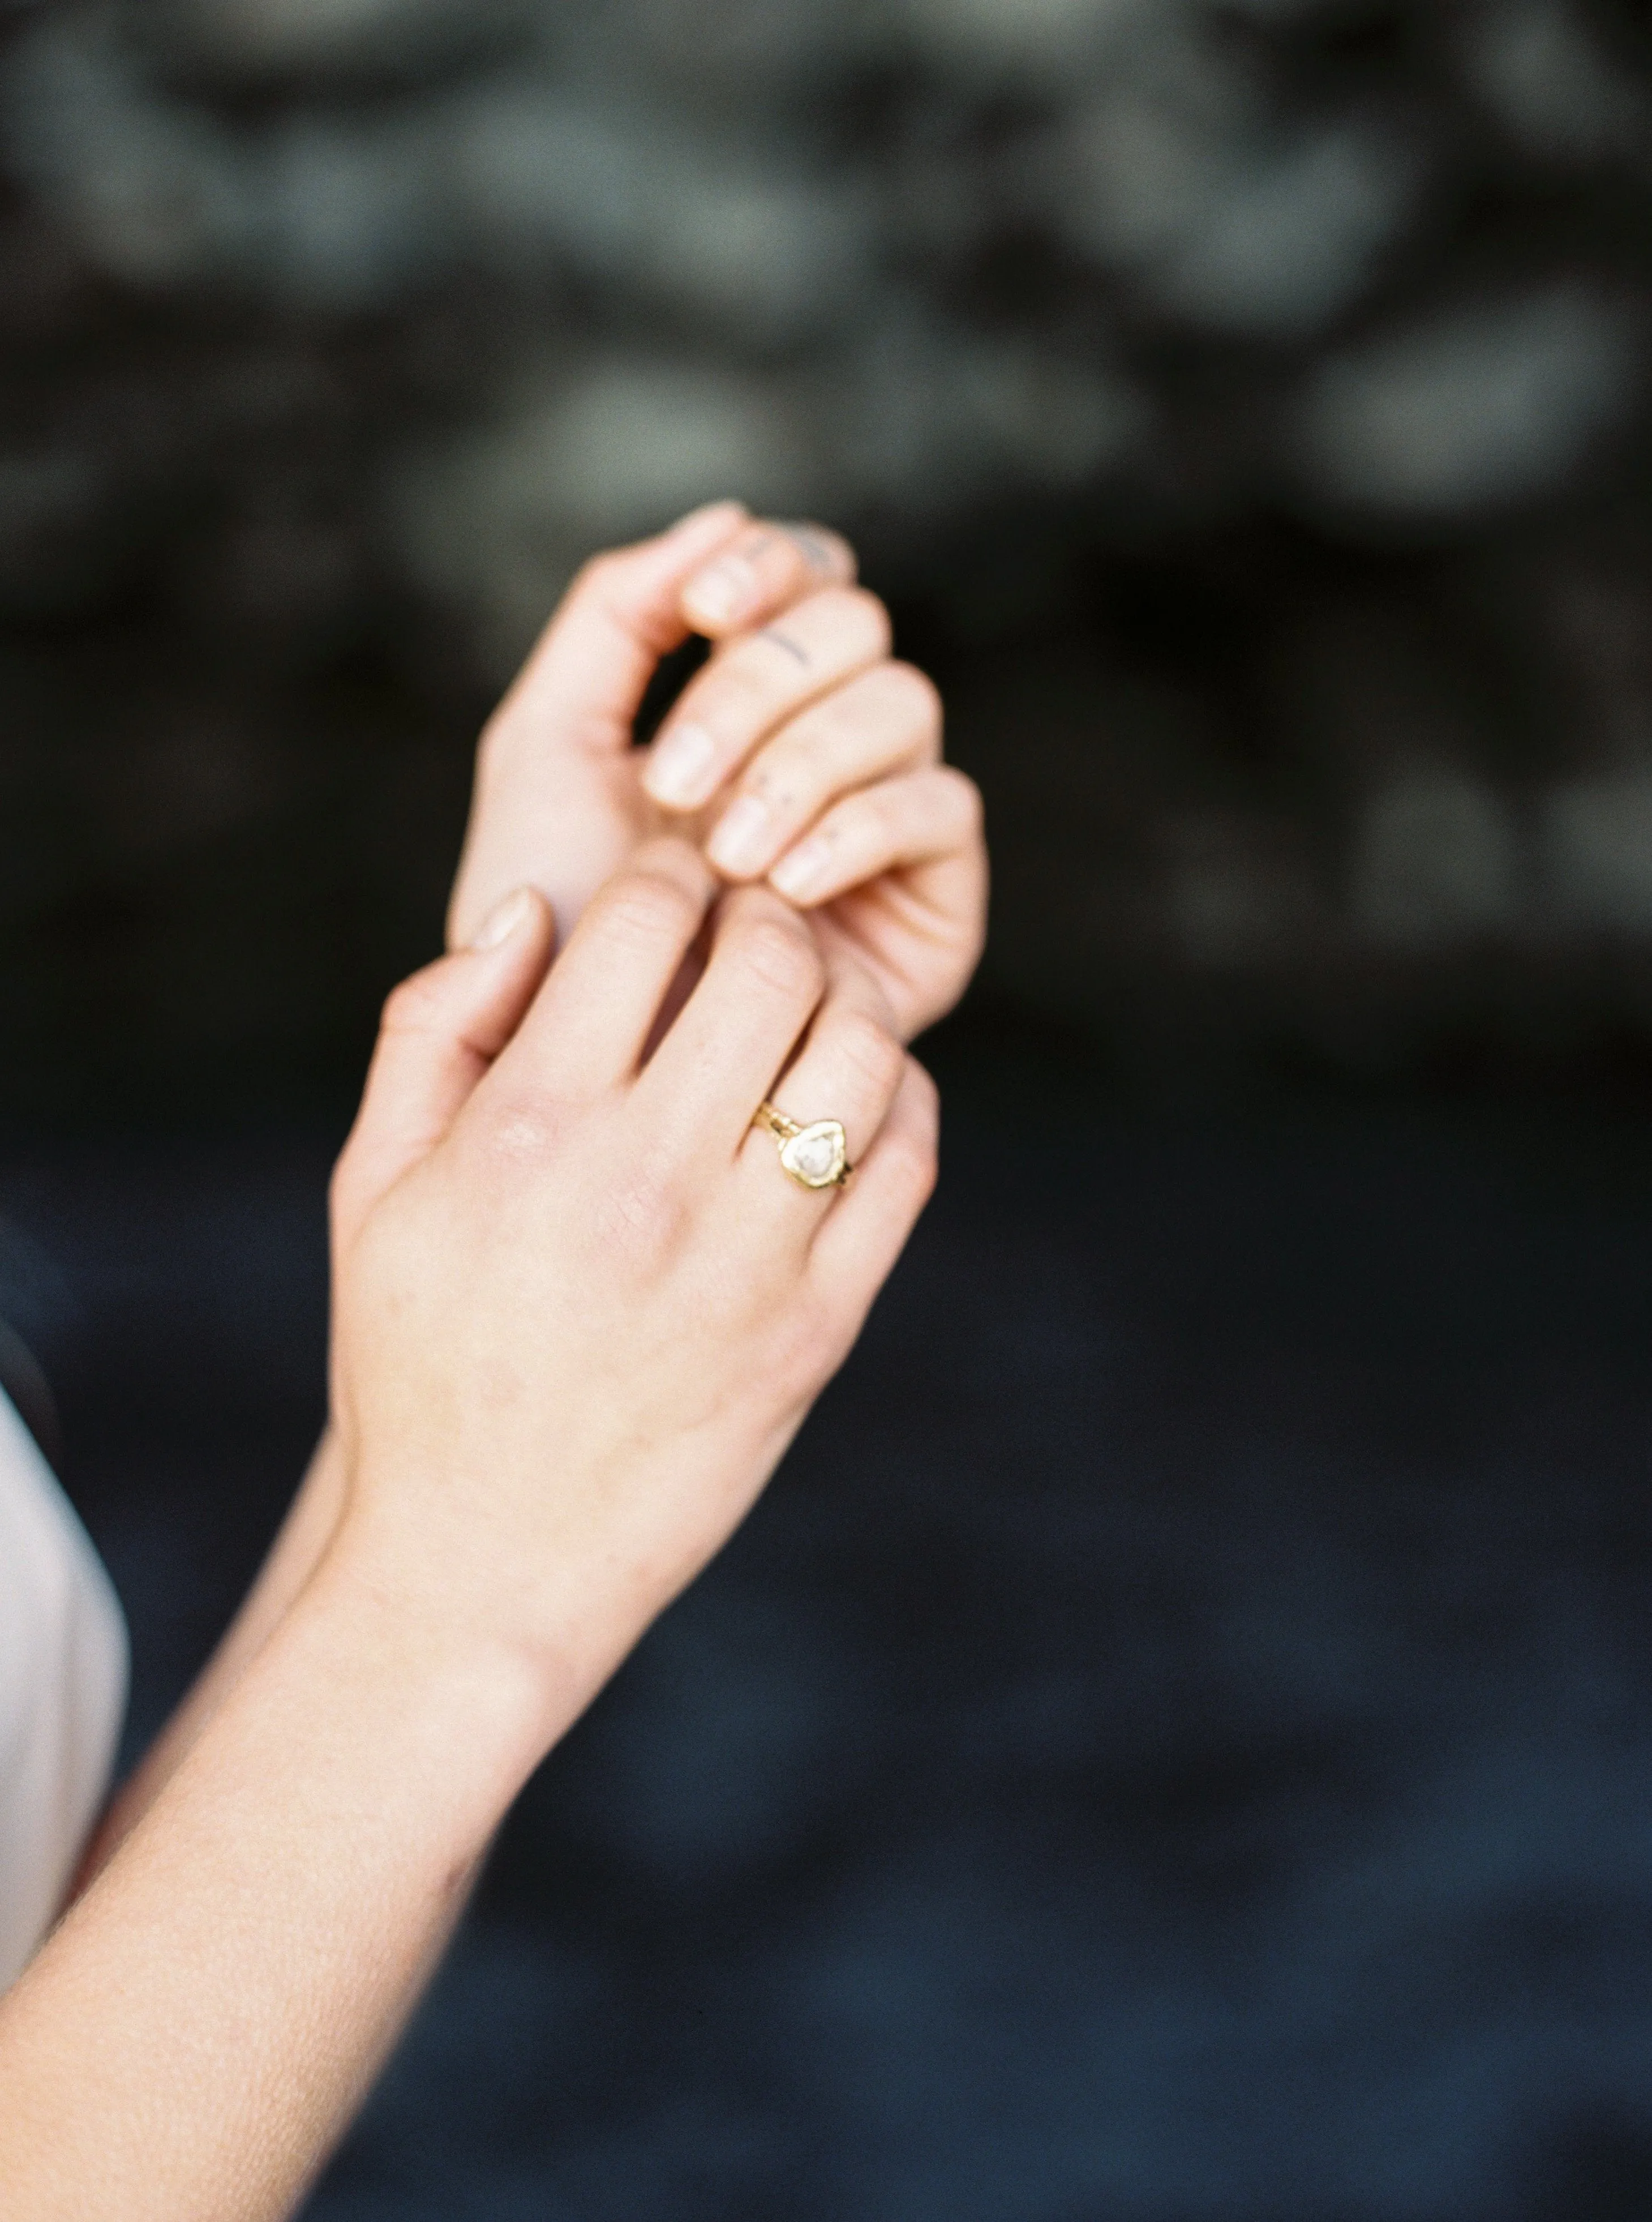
{"x":1597,"y":853}
{"x":1535,"y":66}
{"x":53,"y":514}
{"x":160,"y":191}
{"x":1292,"y":15}
{"x":933,"y":418}
{"x":1237,"y":891}
{"x":1436,"y":862}
{"x":351,"y":219}
{"x":497,"y":523}
{"x":1225,"y":212}
{"x":1036,"y":39}
{"x":1494,"y":403}
{"x":347,"y":210}
{"x":756,"y":245}
{"x":154,"y":192}
{"x":728,"y":59}
{"x":302,"y":37}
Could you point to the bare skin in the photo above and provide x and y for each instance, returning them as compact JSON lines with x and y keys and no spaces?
{"x":843,"y":747}
{"x":339,"y":1770}
{"x":803,"y":753}
{"x":527,"y":1202}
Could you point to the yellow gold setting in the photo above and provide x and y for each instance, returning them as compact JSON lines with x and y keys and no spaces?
{"x":817,"y":1156}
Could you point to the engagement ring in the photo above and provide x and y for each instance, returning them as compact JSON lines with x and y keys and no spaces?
{"x":815,"y":1157}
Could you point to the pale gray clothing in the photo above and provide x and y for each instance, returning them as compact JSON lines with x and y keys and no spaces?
{"x":63,"y":1678}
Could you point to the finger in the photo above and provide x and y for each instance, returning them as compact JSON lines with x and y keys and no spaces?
{"x":849,"y":1071}
{"x":593,"y":662}
{"x":764,"y":978}
{"x":887,"y":719}
{"x":917,"y":819}
{"x":572,"y":708}
{"x":754,"y":684}
{"x":591,"y":1021}
{"x":763,"y":572}
{"x":441,"y":1031}
{"x":857,"y":1244}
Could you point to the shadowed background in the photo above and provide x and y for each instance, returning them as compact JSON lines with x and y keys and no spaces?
{"x":1174,"y":1743}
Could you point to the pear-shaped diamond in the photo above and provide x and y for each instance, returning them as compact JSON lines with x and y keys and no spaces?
{"x":817,"y":1157}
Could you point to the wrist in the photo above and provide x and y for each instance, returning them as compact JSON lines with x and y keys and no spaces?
{"x":479,"y":1712}
{"x":455,"y":1618}
{"x":426,"y":1546}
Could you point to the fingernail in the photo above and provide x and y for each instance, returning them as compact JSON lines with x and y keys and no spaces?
{"x":707,"y":510}
{"x":742,"y":838}
{"x":719,"y":594}
{"x":678,"y":769}
{"x":803,"y":870}
{"x":503,"y":920}
{"x":815,"y":551}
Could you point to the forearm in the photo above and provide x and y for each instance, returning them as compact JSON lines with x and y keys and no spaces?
{"x":197,"y":2032}
{"x":296,"y":1552}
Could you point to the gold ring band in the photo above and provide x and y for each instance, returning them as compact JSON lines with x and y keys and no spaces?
{"x":815,"y":1157}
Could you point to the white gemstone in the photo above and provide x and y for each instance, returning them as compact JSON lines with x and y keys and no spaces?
{"x":817,"y":1157}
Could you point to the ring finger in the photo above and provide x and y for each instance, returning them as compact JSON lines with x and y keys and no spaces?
{"x":845,"y":1076}
{"x":887,"y":719}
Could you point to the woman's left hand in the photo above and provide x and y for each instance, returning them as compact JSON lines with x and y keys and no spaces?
{"x":803,"y":754}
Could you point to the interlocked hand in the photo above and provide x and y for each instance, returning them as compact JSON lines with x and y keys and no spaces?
{"x":580,"y":1309}
{"x":803,"y":753}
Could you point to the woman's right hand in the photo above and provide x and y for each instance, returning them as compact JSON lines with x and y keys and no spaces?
{"x":581,"y":1310}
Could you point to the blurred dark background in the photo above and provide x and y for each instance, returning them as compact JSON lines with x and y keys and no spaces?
{"x":1173,"y":1745}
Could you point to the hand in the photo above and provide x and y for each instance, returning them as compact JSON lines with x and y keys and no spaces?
{"x":580,"y":1311}
{"x":801,"y":753}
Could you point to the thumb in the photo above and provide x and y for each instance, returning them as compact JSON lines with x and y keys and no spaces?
{"x":587,"y":676}
{"x":548,"y":805}
{"x":439,"y":1033}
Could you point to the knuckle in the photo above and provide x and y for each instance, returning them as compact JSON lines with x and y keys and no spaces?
{"x":782,"y":957}
{"x":598,"y":577}
{"x":644,"y":909}
{"x":797,"y":760}
{"x":926,"y":1099}
{"x":848,"y":553}
{"x":522,"y":1133}
{"x":967,"y":800}
{"x":881,"y":814}
{"x":740,"y":688}
{"x":733,"y":698}
{"x":610,"y":570}
{"x":672,"y":857}
{"x":914,"y":1153}
{"x":921,"y":1164}
{"x":915,"y":697}
{"x":412,"y":1007}
{"x":871,"y":1051}
{"x":614,"y":583}
{"x":861,"y":609}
